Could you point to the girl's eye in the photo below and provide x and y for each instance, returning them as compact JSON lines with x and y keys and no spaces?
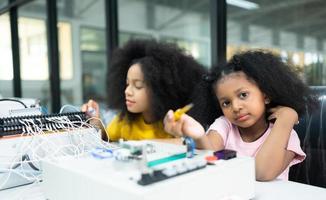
{"x":243,"y":95}
{"x":225,"y":104}
{"x":139,"y":86}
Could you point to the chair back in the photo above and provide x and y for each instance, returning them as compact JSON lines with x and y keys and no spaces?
{"x":312,"y":133}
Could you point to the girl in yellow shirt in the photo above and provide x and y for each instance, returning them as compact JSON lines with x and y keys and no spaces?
{"x":146,"y":79}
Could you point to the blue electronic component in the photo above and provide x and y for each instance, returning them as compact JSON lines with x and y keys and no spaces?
{"x":191,"y":145}
{"x":102,"y":153}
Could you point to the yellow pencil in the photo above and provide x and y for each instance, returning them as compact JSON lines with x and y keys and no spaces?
{"x":178,"y":113}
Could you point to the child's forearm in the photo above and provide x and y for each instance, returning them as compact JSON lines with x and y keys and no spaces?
{"x":273,"y":157}
{"x":211,"y":141}
{"x":97,"y":124}
{"x":204,"y":143}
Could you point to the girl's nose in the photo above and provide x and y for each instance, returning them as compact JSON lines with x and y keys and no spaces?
{"x":236,"y":105}
{"x":128,"y":90}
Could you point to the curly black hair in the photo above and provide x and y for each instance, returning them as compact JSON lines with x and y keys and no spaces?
{"x":274,"y":78}
{"x":169,"y":72}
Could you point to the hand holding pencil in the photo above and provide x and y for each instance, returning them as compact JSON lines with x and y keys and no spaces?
{"x":180,"y":124}
{"x":178,"y":113}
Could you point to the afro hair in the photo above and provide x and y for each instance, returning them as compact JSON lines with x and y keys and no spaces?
{"x":275,"y":79}
{"x":169,"y":72}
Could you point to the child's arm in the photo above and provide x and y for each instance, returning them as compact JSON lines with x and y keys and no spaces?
{"x":187,"y":126}
{"x":273,"y":157}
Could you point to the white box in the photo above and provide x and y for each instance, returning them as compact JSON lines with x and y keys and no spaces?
{"x":90,"y":178}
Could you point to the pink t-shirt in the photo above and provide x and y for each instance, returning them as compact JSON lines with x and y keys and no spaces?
{"x":232,"y":140}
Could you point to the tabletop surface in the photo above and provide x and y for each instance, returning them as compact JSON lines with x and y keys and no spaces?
{"x":277,"y":189}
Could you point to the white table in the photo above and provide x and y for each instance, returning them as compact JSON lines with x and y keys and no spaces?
{"x":27,"y":192}
{"x":264,"y":191}
{"x":288,"y":190}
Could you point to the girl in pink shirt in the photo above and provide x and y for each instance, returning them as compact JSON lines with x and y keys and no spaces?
{"x":259,"y":100}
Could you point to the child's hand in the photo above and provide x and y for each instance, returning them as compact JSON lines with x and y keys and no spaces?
{"x":91,"y":108}
{"x":284,"y":113}
{"x":185,"y":126}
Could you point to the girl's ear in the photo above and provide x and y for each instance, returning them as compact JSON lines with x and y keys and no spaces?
{"x":267,"y":100}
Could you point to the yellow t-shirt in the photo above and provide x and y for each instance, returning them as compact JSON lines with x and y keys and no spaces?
{"x":137,"y":130}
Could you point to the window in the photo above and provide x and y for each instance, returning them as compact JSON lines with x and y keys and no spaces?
{"x":293,"y":29}
{"x":6,"y":66}
{"x":3,"y":3}
{"x":185,"y":23}
{"x":34,"y":66}
{"x":93,"y":55}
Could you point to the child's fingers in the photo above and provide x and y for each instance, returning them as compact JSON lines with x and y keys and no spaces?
{"x":167,"y":122}
{"x":93,"y":104}
{"x":192,"y":128}
{"x":170,"y":125}
{"x":186,"y":124}
{"x":91,"y":108}
{"x":84,"y":108}
{"x":178,"y":126}
{"x":168,"y":117}
{"x":271,"y":117}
